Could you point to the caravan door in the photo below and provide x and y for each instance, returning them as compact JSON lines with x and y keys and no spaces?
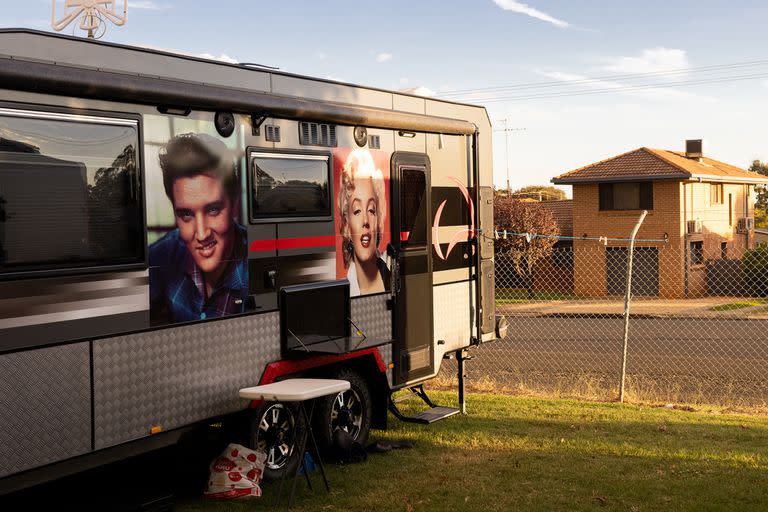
{"x":412,"y":267}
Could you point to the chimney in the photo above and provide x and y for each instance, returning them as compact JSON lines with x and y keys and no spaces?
{"x":694,"y":149}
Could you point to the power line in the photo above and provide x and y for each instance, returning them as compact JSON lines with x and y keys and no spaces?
{"x":658,"y":85}
{"x":628,"y":76}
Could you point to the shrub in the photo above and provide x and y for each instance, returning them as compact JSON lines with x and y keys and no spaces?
{"x":754,"y":269}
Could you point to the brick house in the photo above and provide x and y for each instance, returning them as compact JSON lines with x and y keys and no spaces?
{"x":703,"y":207}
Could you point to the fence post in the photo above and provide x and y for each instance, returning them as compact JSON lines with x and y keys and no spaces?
{"x":627,"y":297}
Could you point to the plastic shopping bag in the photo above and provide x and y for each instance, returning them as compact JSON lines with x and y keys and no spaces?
{"x":236,"y":473}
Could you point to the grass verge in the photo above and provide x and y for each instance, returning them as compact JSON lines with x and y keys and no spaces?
{"x":515,"y":453}
{"x":515,"y":296}
{"x":739,"y":305}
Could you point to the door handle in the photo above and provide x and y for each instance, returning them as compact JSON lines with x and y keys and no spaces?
{"x":270,"y":279}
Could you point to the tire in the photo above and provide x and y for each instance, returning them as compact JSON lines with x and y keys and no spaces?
{"x":351,"y":411}
{"x":274,"y":430}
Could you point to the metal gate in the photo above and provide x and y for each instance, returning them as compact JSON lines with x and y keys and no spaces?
{"x":645,"y":271}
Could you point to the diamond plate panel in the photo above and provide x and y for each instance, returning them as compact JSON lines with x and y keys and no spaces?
{"x":371,"y":315}
{"x":176,"y":376}
{"x":45,"y":406}
{"x":453,"y":319}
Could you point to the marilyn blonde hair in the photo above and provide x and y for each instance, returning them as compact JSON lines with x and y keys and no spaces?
{"x":360,"y":166}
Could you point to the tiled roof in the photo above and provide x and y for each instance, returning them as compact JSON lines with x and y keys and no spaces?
{"x":657,"y":164}
{"x":562,"y":210}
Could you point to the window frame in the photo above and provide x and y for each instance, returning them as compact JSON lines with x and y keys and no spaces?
{"x":254,"y":151}
{"x":605,"y":195}
{"x":701,"y":261}
{"x":720,"y":199}
{"x":110,"y":118}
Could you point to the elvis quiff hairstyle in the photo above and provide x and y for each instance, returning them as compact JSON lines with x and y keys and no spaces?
{"x":191,"y":154}
{"x":360,"y":166}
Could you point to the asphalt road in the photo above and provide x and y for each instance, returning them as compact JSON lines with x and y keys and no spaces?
{"x":714,"y":360}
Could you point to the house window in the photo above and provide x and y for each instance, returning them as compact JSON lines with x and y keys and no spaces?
{"x":715,"y":193}
{"x":724,"y":250}
{"x":697,"y":253}
{"x":70,"y":195}
{"x":730,"y":209}
{"x":289,"y":186}
{"x":626,"y":196}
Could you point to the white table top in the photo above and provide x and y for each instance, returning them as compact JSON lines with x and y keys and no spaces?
{"x":295,"y":390}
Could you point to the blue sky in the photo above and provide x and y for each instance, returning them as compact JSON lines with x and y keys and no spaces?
{"x":550,"y":46}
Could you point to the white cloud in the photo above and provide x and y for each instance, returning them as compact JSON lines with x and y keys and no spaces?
{"x":419,"y":91}
{"x":383,"y":57}
{"x":322,"y":56}
{"x":223,"y":58}
{"x":519,"y":7}
{"x":148,"y":5}
{"x":650,"y":60}
{"x":404,"y":82}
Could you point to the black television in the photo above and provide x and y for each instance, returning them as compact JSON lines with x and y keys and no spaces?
{"x":314,"y":313}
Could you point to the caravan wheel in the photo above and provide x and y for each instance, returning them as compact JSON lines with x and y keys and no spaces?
{"x":273,"y":430}
{"x":350,"y":411}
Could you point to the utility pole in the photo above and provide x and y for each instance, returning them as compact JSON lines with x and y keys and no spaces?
{"x":506,"y":131}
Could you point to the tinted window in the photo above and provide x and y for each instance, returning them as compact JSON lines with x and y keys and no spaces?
{"x":626,"y":196}
{"x":289,"y":186}
{"x":69,"y":192}
{"x":697,"y":253}
{"x":413,"y":212}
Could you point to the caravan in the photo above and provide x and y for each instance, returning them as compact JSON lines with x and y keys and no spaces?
{"x":173,"y":229}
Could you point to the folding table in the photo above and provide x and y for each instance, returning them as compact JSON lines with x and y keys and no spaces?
{"x":301,"y":391}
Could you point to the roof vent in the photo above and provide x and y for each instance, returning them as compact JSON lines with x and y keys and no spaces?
{"x":694,"y":148}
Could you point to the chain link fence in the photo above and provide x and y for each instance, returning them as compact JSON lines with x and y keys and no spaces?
{"x":698,"y":321}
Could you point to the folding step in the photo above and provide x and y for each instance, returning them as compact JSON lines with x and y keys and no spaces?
{"x":425,"y":417}
{"x":431,"y":415}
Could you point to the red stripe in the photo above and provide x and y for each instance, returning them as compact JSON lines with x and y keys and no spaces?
{"x":292,"y":243}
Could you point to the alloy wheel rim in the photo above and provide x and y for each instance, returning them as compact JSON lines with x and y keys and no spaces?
{"x":274,"y":434}
{"x":347,"y":413}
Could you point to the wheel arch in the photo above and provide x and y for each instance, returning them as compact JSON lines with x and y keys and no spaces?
{"x":367,"y":363}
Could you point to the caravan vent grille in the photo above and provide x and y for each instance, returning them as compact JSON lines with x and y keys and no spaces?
{"x":316,"y":134}
{"x":374,"y":142}
{"x":272,"y":133}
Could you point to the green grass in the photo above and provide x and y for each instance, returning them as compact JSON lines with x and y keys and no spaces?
{"x":513,"y":453}
{"x":517,"y":296}
{"x":739,"y":305}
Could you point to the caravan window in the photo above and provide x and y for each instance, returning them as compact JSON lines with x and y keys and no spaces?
{"x":289,"y":186}
{"x":69,"y":192}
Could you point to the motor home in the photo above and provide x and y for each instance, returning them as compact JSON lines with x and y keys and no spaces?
{"x":173,"y":229}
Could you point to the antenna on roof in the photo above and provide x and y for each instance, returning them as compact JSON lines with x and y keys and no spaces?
{"x":93,"y":15}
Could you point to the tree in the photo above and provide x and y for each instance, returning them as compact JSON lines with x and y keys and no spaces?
{"x":754,"y":270}
{"x":539,"y":193}
{"x":521,"y":217}
{"x":762,"y":191}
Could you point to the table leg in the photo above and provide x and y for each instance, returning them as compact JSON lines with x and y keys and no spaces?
{"x":316,"y":449}
{"x":308,"y":427}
